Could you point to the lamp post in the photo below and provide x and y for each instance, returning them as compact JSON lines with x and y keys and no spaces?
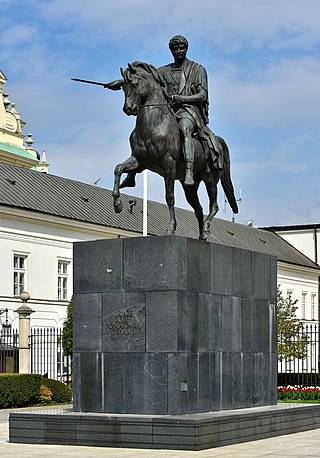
{"x":6,"y":325}
{"x":24,"y":312}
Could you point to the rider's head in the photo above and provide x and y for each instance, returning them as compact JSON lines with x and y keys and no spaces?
{"x":178,"y":40}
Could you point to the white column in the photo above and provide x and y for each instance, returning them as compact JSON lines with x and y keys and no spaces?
{"x":24,"y":312}
{"x":145,"y":203}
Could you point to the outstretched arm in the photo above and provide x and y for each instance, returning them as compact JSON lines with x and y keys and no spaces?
{"x":114,"y":85}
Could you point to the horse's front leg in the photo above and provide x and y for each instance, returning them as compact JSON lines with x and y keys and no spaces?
{"x":130,"y":165}
{"x":169,"y":173}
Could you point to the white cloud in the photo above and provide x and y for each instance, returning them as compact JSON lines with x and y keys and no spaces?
{"x":280,"y":24}
{"x":286,"y":93}
{"x":18,"y":35}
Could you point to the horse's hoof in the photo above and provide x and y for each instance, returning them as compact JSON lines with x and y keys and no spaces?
{"x":170,"y":232}
{"x":118,"y":207}
{"x":204,"y":235}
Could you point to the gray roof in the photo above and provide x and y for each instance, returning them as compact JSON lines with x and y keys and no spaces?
{"x":52,"y":195}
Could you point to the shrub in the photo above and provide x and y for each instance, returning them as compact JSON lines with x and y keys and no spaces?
{"x":60,"y":392}
{"x":67,"y":333}
{"x":19,"y":390}
{"x":45,"y":394}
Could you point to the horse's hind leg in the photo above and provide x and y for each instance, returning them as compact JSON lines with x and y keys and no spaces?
{"x":130,"y":165}
{"x":211,"y":179}
{"x":191,"y":193}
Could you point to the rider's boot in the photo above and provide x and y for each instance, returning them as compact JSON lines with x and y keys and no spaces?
{"x":188,"y":180}
{"x":188,"y":150}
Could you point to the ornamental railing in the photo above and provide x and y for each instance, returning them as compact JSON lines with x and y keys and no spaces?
{"x":9,"y":350}
{"x":304,"y":371}
{"x":47,"y":356}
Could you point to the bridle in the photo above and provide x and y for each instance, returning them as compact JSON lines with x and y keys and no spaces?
{"x":166,"y":104}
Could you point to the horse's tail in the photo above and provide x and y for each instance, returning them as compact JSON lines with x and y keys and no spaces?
{"x":226,"y":177}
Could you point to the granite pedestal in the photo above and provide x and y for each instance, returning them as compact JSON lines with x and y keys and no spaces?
{"x":172,"y":326}
{"x":174,"y":348}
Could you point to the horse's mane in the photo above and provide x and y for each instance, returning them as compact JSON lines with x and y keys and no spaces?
{"x":153,"y":71}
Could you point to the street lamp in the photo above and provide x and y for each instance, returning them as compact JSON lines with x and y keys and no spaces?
{"x":6,"y":324}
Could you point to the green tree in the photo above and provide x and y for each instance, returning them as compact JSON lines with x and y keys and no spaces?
{"x":67,"y":333}
{"x":292,"y":339}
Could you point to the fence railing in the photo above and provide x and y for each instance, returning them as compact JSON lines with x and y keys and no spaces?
{"x":9,"y":350}
{"x":47,"y":356}
{"x":302,"y":371}
{"x":48,"y":359}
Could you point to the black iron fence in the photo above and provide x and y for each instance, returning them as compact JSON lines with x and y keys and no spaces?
{"x":9,"y":350}
{"x":46,"y":353}
{"x":47,"y":356}
{"x":306,"y":371}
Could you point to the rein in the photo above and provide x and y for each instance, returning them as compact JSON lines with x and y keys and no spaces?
{"x":154,"y":105}
{"x":168,"y":104}
{"x":160,"y":105}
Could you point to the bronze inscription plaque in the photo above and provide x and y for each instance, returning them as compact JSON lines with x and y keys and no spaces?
{"x":123,"y":323}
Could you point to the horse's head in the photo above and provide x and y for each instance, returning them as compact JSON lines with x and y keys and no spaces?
{"x":139,"y":82}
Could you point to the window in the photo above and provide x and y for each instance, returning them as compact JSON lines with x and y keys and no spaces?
{"x":63,"y":280}
{"x":303,"y":305}
{"x":19,"y":274}
{"x":313,"y":306}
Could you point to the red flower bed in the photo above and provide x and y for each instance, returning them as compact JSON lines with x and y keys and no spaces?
{"x":298,"y":393}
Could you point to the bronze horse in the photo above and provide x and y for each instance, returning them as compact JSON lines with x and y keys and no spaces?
{"x":155,"y":145}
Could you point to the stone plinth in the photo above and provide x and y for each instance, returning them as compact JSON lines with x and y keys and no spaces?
{"x":185,"y":432}
{"x":172,"y":326}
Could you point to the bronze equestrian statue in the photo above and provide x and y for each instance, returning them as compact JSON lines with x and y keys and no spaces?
{"x":171,"y":136}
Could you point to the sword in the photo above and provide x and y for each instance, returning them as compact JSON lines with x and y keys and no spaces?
{"x":90,"y":82}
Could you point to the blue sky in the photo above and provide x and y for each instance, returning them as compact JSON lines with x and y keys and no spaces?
{"x":263,"y":64}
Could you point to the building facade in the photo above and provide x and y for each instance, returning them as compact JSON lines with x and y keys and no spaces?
{"x":12,"y":148}
{"x":305,"y":237}
{"x":299,"y":285}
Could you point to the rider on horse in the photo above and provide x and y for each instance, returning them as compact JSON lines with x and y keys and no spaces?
{"x":186,"y":85}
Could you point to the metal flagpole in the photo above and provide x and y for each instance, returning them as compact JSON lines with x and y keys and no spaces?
{"x":145,"y":203}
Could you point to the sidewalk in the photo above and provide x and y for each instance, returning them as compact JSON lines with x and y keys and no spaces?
{"x":302,"y":445}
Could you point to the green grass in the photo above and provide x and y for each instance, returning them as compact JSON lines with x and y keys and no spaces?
{"x":295,"y":401}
